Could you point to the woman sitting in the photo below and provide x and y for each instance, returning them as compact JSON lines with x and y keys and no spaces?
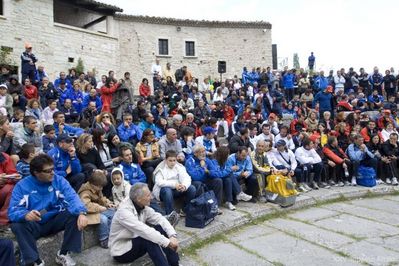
{"x":106,"y":121}
{"x":148,"y":151}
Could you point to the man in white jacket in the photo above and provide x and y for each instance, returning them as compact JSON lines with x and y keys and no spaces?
{"x":131,"y":238}
{"x":310,"y":162}
{"x":172,"y":181}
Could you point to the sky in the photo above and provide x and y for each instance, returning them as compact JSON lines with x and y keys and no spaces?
{"x":351,"y":33}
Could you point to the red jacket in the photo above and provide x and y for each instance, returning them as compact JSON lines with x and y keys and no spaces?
{"x":31,"y":92}
{"x":338,"y":159}
{"x":293,"y":125}
{"x":144,"y":90}
{"x":106,"y":96}
{"x":229,"y":115}
{"x":383,"y":120}
{"x":365,"y":134}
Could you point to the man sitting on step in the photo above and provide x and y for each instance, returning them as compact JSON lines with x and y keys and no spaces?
{"x":44,"y":204}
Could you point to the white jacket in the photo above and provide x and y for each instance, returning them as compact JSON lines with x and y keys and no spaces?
{"x":289,"y":142}
{"x":305,"y":156}
{"x":161,"y":179}
{"x":285,"y":158}
{"x":127,"y":224}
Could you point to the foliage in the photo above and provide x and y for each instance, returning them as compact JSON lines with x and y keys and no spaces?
{"x":80,"y":67}
{"x":296,"y":61}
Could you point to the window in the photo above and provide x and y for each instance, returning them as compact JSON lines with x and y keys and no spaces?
{"x":163,"y":45}
{"x":190,"y":48}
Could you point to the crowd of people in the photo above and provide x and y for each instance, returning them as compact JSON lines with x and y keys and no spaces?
{"x":76,"y":150}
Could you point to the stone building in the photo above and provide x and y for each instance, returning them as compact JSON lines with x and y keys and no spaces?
{"x":61,"y":31}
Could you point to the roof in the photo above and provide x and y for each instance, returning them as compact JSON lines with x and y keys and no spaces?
{"x":97,"y":6}
{"x":194,"y":23}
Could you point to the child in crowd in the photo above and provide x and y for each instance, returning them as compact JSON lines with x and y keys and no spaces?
{"x":121,"y":187}
{"x":49,"y":138}
{"x":100,"y":209}
{"x":18,"y":116}
{"x":26,"y":155}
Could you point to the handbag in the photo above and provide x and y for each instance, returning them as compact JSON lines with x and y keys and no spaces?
{"x":202,"y":210}
{"x":366,"y":177}
{"x":281,"y":190}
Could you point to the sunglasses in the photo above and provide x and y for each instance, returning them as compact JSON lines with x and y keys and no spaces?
{"x":106,"y":116}
{"x":48,"y":171}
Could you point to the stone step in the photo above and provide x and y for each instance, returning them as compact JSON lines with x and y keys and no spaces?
{"x":94,"y":255}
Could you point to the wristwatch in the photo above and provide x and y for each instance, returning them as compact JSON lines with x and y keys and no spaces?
{"x":83,"y":213}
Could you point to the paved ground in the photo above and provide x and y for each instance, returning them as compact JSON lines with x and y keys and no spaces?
{"x":357,"y":232}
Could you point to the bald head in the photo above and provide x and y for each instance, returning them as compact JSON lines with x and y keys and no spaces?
{"x":171,"y":134}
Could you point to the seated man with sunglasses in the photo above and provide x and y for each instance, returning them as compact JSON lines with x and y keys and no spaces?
{"x":43,"y":204}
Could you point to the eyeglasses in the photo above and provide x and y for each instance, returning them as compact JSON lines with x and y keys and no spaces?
{"x":48,"y":171}
{"x":106,"y":116}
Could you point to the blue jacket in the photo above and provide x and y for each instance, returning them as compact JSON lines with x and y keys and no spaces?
{"x":26,"y":67}
{"x":355,"y":154}
{"x":376,"y":99}
{"x":245,"y":77}
{"x":55,"y":197}
{"x":132,"y":173}
{"x":324,"y":100}
{"x":62,"y":160}
{"x":70,"y":130}
{"x":23,"y":168}
{"x":75,"y":96}
{"x":48,"y":143}
{"x":130,"y":133}
{"x":143,"y":125}
{"x":217,"y":171}
{"x":87,"y":99}
{"x":288,"y":81}
{"x":195,"y":170}
{"x":245,"y":165}
{"x":320,"y":83}
{"x":57,"y":83}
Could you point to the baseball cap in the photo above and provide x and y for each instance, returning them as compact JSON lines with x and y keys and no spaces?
{"x":64,"y":138}
{"x":209,"y":130}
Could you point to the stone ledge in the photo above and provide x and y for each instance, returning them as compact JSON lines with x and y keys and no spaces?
{"x":245,"y":213}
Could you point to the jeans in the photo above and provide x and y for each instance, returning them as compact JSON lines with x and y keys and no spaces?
{"x":141,"y":246}
{"x":312,"y":168}
{"x":167,"y":195}
{"x":231,"y":188}
{"x":28,"y":232}
{"x":6,"y":252}
{"x":105,"y":223}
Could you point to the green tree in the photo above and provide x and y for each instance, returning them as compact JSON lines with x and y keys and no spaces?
{"x":80,"y":67}
{"x":296,"y":61}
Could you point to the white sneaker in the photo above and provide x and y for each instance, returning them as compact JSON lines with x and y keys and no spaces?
{"x":395,"y":181}
{"x":64,"y":260}
{"x":353,"y":181}
{"x":243,"y":197}
{"x":230,"y":206}
{"x":388,"y":181}
{"x":380,"y":182}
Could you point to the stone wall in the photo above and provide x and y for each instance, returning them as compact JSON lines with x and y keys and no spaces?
{"x":32,"y":21}
{"x":132,"y":42}
{"x":237,"y":46}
